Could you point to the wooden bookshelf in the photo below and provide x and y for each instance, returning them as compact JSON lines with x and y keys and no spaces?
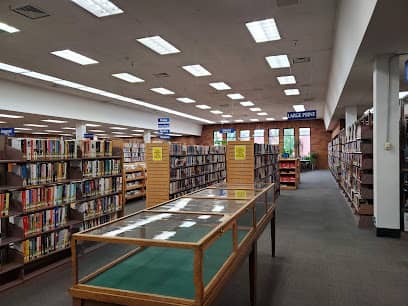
{"x":334,"y":155}
{"x":289,"y":172}
{"x":134,"y":176}
{"x":249,"y":163}
{"x":54,"y":188}
{"x":176,"y":169}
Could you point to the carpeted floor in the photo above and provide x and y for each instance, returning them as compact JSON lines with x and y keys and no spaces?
{"x":323,"y":259}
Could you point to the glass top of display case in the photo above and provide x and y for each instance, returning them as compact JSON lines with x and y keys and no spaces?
{"x":222,"y":206}
{"x":257,"y":185}
{"x":151,"y":225}
{"x":226,"y":193}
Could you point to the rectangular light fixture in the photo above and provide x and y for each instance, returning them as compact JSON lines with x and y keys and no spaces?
{"x":97,"y":131}
{"x":68,"y":135}
{"x":284,"y":118}
{"x":118,"y":128}
{"x":158,"y":45}
{"x":99,"y":8}
{"x":247,"y":103}
{"x":128,"y":77}
{"x":203,"y":106}
{"x":11,"y":68}
{"x":68,"y":128}
{"x":254,"y":120}
{"x":23,"y":129}
{"x":278,"y":61}
{"x":36,"y":125}
{"x":263,"y":30}
{"x":40,"y":76}
{"x":216,"y":112}
{"x":69,"y":84}
{"x":162,"y":91}
{"x":120,"y":133}
{"x":238,"y":120}
{"x":226,"y":116}
{"x":235,"y":96}
{"x":54,"y":121}
{"x":262,"y":114}
{"x":11,"y":116}
{"x":255,"y":109}
{"x":292,"y":92}
{"x":39,"y":133}
{"x":137,"y":135}
{"x":74,"y":57}
{"x":1,"y":122}
{"x":8,"y":28}
{"x":197,"y":70}
{"x":53,"y":131}
{"x":299,"y":108}
{"x":186,"y":100}
{"x":140,"y":131}
{"x":224,"y":121}
{"x":220,"y":86}
{"x":287,"y":80}
{"x":270,"y":119}
{"x":92,"y":125}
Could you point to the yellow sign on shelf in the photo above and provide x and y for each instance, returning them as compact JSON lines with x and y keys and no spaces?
{"x":157,"y":153}
{"x":240,"y":152}
{"x":240,"y":193}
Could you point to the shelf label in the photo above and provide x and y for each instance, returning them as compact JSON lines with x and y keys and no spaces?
{"x":157,"y":153}
{"x":240,"y":193}
{"x":7,"y":131}
{"x":302,"y":115}
{"x":240,"y":152}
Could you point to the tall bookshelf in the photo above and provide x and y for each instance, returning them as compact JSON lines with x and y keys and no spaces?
{"x":334,"y":155}
{"x":404,"y":168}
{"x":248,"y":163}
{"x":289,"y":172}
{"x":176,"y":169}
{"x":49,"y":189}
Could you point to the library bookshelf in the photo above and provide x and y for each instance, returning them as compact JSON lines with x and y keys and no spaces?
{"x":175,"y":169}
{"x":334,"y":150}
{"x":249,"y":163}
{"x":289,"y":171}
{"x":50,"y":189}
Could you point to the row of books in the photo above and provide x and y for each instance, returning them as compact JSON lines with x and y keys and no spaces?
{"x":87,"y":224}
{"x":96,"y":148}
{"x":133,"y":152}
{"x":188,"y":161}
{"x":42,"y":221}
{"x":357,"y":146}
{"x":46,"y":196}
{"x":134,"y":175}
{"x":101,"y":206}
{"x":4,"y":204}
{"x":267,"y":171}
{"x":265,"y":160}
{"x":287,"y":164}
{"x":93,"y":168}
{"x":40,"y":173}
{"x":180,"y":149}
{"x":178,"y":173}
{"x":101,"y":186}
{"x":265,"y":149}
{"x":34,"y":149}
{"x":42,"y":245}
{"x":189,"y":183}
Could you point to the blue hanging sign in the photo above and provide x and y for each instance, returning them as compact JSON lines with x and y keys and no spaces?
{"x":164,"y":131}
{"x":163,"y":125}
{"x":163,"y":120}
{"x":7,"y":131}
{"x":227,"y":130}
{"x":311,"y":114}
{"x":88,"y":136}
{"x":164,"y":136}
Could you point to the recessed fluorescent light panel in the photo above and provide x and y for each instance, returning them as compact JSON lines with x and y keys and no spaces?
{"x":278,"y":61}
{"x":40,"y":76}
{"x":263,"y":30}
{"x":128,"y":77}
{"x":270,"y":119}
{"x":203,"y":106}
{"x":224,"y":121}
{"x":120,"y":133}
{"x":11,"y":68}
{"x":254,"y":120}
{"x":54,"y":121}
{"x":39,"y":133}
{"x":92,"y":125}
{"x":292,"y":92}
{"x":220,"y":86}
{"x":197,"y":70}
{"x":284,"y":118}
{"x":97,"y":131}
{"x":235,"y":96}
{"x":8,"y":28}
{"x":23,"y":129}
{"x":238,"y":120}
{"x":36,"y":125}
{"x":226,"y":116}
{"x":287,"y":80}
{"x":140,"y":131}
{"x":255,"y":109}
{"x":11,"y":116}
{"x":74,"y":57}
{"x":186,"y":100}
{"x":68,"y":128}
{"x":262,"y":114}
{"x":216,"y":112}
{"x":247,"y":103}
{"x":158,"y":45}
{"x":53,"y":131}
{"x":162,"y":91}
{"x":1,"y":122}
{"x":137,"y":135}
{"x":99,"y":8}
{"x":299,"y":108}
{"x":118,"y":128}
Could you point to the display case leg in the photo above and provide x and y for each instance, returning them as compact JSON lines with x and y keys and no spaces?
{"x":273,"y":233}
{"x":253,"y":273}
{"x":76,"y":302}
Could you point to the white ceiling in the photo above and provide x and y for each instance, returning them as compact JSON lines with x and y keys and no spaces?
{"x":210,"y":33}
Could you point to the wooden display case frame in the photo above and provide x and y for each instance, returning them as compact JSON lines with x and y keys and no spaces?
{"x":84,"y":295}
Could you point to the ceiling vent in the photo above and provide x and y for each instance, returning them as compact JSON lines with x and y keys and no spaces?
{"x":161,"y":75}
{"x":283,"y":3}
{"x":301,"y":60}
{"x":30,"y":11}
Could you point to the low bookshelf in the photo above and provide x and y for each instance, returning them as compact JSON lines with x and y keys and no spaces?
{"x":176,"y":169}
{"x":49,"y":189}
{"x":289,"y":172}
{"x":135,"y":180}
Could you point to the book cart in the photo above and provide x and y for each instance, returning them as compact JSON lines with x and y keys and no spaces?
{"x":52,"y":188}
{"x":289,"y":171}
{"x":180,"y":252}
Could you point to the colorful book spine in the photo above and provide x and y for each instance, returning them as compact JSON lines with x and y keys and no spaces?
{"x":4,"y":204}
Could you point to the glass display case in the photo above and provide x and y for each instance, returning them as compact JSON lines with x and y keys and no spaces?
{"x":176,"y":253}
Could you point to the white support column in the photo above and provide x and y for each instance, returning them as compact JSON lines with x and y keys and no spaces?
{"x":351,"y":117}
{"x":80,"y":131}
{"x":386,"y":146}
{"x":147,"y":137}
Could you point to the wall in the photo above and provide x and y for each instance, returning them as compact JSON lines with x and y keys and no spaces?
{"x":319,"y":136}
